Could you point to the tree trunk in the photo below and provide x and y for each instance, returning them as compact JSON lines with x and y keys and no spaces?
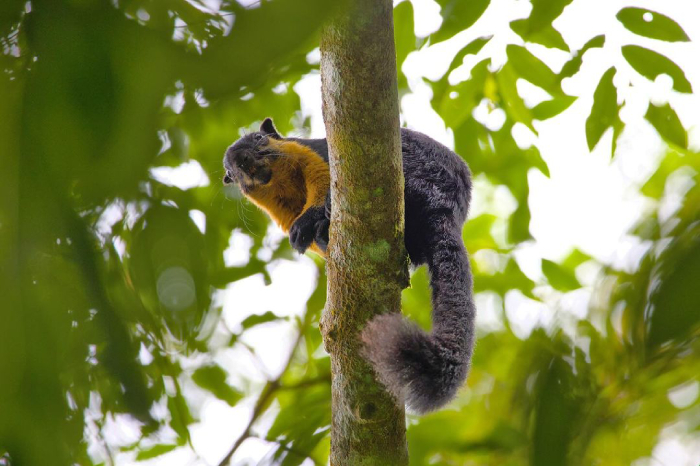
{"x":367,"y":261}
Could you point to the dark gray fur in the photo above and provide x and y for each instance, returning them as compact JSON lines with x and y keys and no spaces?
{"x":424,"y":369}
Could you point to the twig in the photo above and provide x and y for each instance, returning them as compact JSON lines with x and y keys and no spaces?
{"x":265,"y":397}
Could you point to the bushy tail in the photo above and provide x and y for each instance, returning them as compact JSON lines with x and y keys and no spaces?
{"x":426,"y":370}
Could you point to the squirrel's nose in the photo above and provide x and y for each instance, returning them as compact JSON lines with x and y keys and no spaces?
{"x":243,"y":159}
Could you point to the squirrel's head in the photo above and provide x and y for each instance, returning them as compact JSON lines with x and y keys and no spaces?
{"x":249,"y":160}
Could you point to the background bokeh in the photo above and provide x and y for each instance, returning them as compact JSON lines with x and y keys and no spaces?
{"x":150,"y":315}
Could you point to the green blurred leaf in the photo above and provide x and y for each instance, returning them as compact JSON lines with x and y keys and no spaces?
{"x":225,"y":56}
{"x":538,"y":26}
{"x":415,"y":299}
{"x":512,"y":278}
{"x":213,"y":379}
{"x":547,"y":36}
{"x":169,"y":269}
{"x":555,"y":415}
{"x":666,"y":122}
{"x":472,"y":48}
{"x":404,"y":34}
{"x":458,"y":15}
{"x":512,"y":102}
{"x":651,"y":64}
{"x":519,"y":226}
{"x":676,"y":301}
{"x":560,"y":278}
{"x":574,"y":259}
{"x":154,"y":451}
{"x":456,"y":106}
{"x":657,"y":27}
{"x":181,"y":417}
{"x":551,"y":108}
{"x":303,"y":421}
{"x":604,"y":113}
{"x":531,"y":68}
{"x":404,"y":38}
{"x":477,"y":233}
{"x":544,"y":12}
{"x":10,"y":13}
{"x":656,"y":184}
{"x":257,"y":319}
{"x":572,"y":67}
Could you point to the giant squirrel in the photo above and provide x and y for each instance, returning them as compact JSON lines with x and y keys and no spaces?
{"x":289,"y":178}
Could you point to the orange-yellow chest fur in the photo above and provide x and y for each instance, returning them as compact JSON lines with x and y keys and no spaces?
{"x":300,"y":179}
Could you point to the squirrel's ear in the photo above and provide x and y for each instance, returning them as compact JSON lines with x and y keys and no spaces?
{"x":268,"y":127}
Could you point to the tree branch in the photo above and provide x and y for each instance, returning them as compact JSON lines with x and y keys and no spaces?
{"x":266,"y":396}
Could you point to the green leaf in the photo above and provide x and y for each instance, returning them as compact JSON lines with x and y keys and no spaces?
{"x":575,"y":258}
{"x":538,"y":26}
{"x":457,"y":106}
{"x":458,"y":15}
{"x":604,"y":113}
{"x":530,"y":68}
{"x":257,"y":319}
{"x":657,"y":27}
{"x":572,"y":67}
{"x":557,"y":409}
{"x":666,"y":122}
{"x":544,"y":12}
{"x":169,"y":269}
{"x":656,"y":184}
{"x":676,"y":301}
{"x":416,"y":298}
{"x":477,"y":233}
{"x":226,"y":56}
{"x":181,"y":417}
{"x":154,"y":451}
{"x":303,"y":420}
{"x":440,"y":87}
{"x":547,"y":36}
{"x":512,"y":278}
{"x":512,"y":102}
{"x":473,"y":47}
{"x":651,"y":64}
{"x":213,"y":379}
{"x":10,"y":13}
{"x":404,"y":37}
{"x":551,"y":108}
{"x":560,"y":278}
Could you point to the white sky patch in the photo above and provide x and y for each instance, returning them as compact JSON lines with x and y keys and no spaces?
{"x":185,"y":176}
{"x":493,"y":119}
{"x":309,"y":90}
{"x":684,"y":395}
{"x":199,"y":219}
{"x":292,"y":284}
{"x":525,"y":314}
{"x":219,"y":427}
{"x":176,"y":102}
{"x":238,"y":252}
{"x":490,"y":316}
{"x":113,"y":213}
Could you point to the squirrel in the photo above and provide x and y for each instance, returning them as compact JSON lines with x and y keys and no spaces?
{"x":289,"y":178}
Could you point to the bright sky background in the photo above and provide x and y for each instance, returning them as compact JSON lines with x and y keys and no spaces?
{"x":588,"y":202}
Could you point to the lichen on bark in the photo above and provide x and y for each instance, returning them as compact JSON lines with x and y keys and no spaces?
{"x":367,"y":266}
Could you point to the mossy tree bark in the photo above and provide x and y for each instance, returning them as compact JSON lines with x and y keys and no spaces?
{"x":367,"y":266}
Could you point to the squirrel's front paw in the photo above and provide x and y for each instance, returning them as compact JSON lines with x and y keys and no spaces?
{"x":321,"y":237}
{"x":303,"y":231}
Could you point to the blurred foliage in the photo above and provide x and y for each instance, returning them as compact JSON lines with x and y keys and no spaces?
{"x":112,"y":279}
